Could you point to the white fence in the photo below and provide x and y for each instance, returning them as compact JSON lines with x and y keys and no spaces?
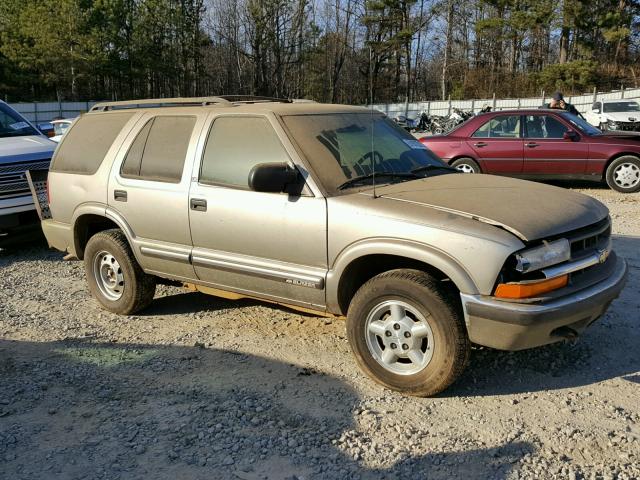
{"x":581,"y":102}
{"x":40,"y":112}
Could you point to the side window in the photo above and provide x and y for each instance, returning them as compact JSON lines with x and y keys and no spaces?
{"x":84,"y":147}
{"x":159,"y":150}
{"x":544,"y":126}
{"x":503,"y":126}
{"x":229,"y":155}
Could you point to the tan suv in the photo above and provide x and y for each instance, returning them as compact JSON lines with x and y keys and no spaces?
{"x":330,"y":209}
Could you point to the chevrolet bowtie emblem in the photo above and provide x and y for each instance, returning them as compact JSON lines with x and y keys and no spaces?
{"x":603,"y":255}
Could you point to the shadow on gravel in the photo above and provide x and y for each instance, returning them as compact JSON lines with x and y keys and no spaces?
{"x":31,"y":251}
{"x":607,"y":350}
{"x":75,"y":410}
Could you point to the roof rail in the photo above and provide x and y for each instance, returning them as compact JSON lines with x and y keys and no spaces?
{"x":157,"y":103}
{"x":184,"y":102}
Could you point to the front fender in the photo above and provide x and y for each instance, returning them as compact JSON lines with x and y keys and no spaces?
{"x":401,"y":248}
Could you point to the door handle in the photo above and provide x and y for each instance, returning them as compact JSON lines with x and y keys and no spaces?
{"x":480,"y":144}
{"x":120,"y":195}
{"x":531,"y":144}
{"x":198,"y":204}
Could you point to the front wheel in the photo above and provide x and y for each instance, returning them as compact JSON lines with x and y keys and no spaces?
{"x":114,"y":276}
{"x":623,"y":174}
{"x":408,"y":333}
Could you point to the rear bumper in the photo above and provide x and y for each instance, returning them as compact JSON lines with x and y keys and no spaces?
{"x":515,"y":326}
{"x":58,"y":235}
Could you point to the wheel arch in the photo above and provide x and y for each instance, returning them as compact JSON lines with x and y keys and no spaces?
{"x":91,"y":219}
{"x":363,"y":261}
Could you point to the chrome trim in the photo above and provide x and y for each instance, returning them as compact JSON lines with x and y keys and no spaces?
{"x":599,"y":256}
{"x":263,"y":272}
{"x":166,"y":254}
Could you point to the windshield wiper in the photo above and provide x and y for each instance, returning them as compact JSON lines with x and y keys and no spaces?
{"x":369,"y":176}
{"x":427,"y":168}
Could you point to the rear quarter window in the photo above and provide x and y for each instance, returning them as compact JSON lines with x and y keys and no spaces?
{"x":87,"y":142}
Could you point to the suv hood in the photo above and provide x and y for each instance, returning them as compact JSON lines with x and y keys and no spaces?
{"x":529,"y":210}
{"x":622,"y":116}
{"x":25,"y":148}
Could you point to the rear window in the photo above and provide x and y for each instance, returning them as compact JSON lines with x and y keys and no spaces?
{"x":86,"y":144}
{"x":159,"y":150}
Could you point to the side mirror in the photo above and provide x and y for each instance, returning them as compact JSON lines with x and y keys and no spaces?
{"x":595,"y":110}
{"x":272,"y":177}
{"x":570,"y":135}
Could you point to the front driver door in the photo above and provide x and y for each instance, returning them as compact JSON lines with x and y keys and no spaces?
{"x":265,"y":244}
{"x":497,"y":145}
{"x":547,"y":154}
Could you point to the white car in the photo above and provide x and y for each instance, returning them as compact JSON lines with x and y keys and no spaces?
{"x":59,"y":127}
{"x":615,"y":115}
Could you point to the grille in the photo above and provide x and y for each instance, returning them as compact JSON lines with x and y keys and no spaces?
{"x":628,"y":126}
{"x":13,"y":181}
{"x":586,"y":240}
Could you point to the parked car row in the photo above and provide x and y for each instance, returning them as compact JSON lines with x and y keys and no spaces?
{"x":542,"y":145}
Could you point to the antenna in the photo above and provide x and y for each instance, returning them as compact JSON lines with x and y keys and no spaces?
{"x":373,"y":159}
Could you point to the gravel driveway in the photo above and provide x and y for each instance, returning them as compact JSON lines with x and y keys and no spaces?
{"x":198,"y":387}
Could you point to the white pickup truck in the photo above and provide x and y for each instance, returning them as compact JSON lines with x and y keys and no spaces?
{"x":22,"y":147}
{"x":615,"y":115}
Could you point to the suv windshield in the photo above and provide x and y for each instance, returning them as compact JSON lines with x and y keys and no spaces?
{"x":342,"y":149}
{"x":12,"y":124}
{"x":609,"y":107}
{"x":582,"y":125}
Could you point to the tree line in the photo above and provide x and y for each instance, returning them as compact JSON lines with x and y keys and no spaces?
{"x":347,"y":51}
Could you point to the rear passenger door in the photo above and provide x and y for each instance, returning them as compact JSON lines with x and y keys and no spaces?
{"x":271,"y":245}
{"x":149,"y":189}
{"x":498,"y":145}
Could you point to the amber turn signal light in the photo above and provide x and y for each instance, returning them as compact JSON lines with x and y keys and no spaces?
{"x":527,"y":290}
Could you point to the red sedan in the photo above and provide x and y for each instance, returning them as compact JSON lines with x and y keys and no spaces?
{"x":541,"y":144}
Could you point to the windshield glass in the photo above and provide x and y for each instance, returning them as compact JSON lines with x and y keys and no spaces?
{"x":12,"y":124}
{"x":582,"y":125}
{"x":621,"y":107}
{"x":343,"y":146}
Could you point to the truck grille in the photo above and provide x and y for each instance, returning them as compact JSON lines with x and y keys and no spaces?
{"x":13,"y":181}
{"x":586,"y":240}
{"x":628,"y":126}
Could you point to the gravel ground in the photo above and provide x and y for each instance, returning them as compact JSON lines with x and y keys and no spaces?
{"x":198,"y":387}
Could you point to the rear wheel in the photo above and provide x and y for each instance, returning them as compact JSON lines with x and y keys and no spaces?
{"x":408,"y":333}
{"x":466,"y":165}
{"x":623,"y":174}
{"x":114,"y":276}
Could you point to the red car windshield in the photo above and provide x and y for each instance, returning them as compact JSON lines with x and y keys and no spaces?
{"x":582,"y":125}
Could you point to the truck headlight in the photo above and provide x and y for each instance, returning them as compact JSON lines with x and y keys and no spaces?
{"x":611,"y":125}
{"x":549,"y":253}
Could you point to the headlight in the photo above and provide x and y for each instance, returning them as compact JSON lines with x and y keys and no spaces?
{"x":550,"y":253}
{"x":611,"y":125}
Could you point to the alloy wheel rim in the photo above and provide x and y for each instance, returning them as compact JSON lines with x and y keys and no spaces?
{"x":399,"y":337}
{"x":108,"y":275}
{"x":465,"y":168}
{"x":626,"y":175}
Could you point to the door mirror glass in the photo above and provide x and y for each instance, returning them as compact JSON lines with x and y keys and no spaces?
{"x":273,"y":178}
{"x":570,"y":135}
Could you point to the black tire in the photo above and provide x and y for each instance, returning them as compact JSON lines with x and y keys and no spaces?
{"x":466,"y":165}
{"x":425,"y":295}
{"x":623,"y":174}
{"x":136,"y":288}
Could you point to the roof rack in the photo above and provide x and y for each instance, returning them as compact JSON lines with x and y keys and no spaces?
{"x":184,"y":102}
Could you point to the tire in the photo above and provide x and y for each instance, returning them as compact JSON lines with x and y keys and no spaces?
{"x":416,"y":299}
{"x":466,"y":165}
{"x":623,"y":174}
{"x":114,"y":276}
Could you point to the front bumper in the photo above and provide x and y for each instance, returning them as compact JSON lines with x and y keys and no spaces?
{"x":517,"y":326}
